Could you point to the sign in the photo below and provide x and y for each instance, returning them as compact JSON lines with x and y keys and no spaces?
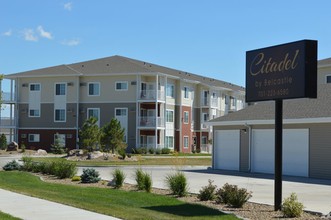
{"x":280,"y":72}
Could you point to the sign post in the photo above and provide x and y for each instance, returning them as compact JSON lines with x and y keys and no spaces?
{"x":286,"y":71}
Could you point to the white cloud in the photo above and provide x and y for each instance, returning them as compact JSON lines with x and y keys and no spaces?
{"x":72,"y":42}
{"x":29,"y":35}
{"x":68,"y":6}
{"x":7,"y":33}
{"x":44,"y":33}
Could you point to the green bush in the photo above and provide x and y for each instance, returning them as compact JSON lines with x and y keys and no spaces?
{"x":122,"y":153}
{"x":65,"y":169}
{"x":75,"y":178}
{"x":232,"y":195}
{"x":177,"y":183}
{"x":3,"y":142}
{"x":151,"y":150}
{"x":13,"y":165}
{"x":23,"y":147}
{"x":139,"y":177}
{"x":147,"y":182}
{"x":90,"y":175}
{"x":158,"y":151}
{"x":207,"y":192}
{"x":165,"y":151}
{"x":291,"y":207}
{"x":141,"y":150}
{"x":27,"y":164}
{"x":118,"y":178}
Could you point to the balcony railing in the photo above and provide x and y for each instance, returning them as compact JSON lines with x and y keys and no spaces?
{"x":212,"y":101}
{"x":147,"y":121}
{"x":151,"y":95}
{"x":151,"y":146}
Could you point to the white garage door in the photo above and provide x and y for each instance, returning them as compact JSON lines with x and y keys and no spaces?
{"x":295,"y":151}
{"x":227,"y":149}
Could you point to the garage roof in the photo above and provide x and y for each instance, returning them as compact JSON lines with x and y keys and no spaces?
{"x":292,"y":109}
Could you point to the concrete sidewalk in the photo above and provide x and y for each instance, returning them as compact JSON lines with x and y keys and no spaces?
{"x":31,"y":208}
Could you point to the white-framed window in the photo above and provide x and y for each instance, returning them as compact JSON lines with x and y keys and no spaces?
{"x":94,"y":112}
{"x":169,"y":142}
{"x":214,"y":95}
{"x":328,"y":79}
{"x":60,"y":115}
{"x":169,"y":116}
{"x":60,"y":89}
{"x":185,"y":141}
{"x":121,"y":86}
{"x":121,"y":114}
{"x":94,"y":89}
{"x":186,"y":92}
{"x":34,"y":113}
{"x":61,"y":138}
{"x":186,"y":117}
{"x":34,"y":137}
{"x":204,"y":140}
{"x":34,"y":86}
{"x":170,"y":91}
{"x":205,"y":117}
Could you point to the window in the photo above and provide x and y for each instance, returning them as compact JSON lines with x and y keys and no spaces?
{"x":205,"y":117}
{"x":120,"y":86}
{"x":61,"y":139}
{"x":169,"y":142}
{"x":186,"y":116}
{"x":186,"y":91}
{"x":60,"y":115}
{"x":121,"y":112}
{"x":186,"y":143}
{"x":34,"y":87}
{"x":34,"y":137}
{"x":60,"y":89}
{"x":170,"y":90}
{"x":169,"y":116}
{"x":94,"y":89}
{"x":34,"y":113}
{"x":328,"y":79}
{"x":94,"y":112}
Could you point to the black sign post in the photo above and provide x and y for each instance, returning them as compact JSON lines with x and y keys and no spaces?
{"x":286,"y":71}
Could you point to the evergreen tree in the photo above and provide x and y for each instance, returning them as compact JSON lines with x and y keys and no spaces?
{"x":89,"y":134}
{"x":112,"y":136}
{"x":3,"y":142}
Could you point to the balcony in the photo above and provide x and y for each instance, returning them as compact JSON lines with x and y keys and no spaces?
{"x":206,"y":148}
{"x":7,"y":98}
{"x":151,"y":146}
{"x":213,"y":102}
{"x":150,"y":121}
{"x":151,"y":95}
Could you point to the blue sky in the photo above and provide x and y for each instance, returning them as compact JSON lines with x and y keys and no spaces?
{"x":203,"y":37}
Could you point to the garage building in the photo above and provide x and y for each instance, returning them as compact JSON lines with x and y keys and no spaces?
{"x":244,"y":140}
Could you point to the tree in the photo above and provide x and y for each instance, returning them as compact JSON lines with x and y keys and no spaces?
{"x":89,"y":134}
{"x":57,"y":147}
{"x":3,"y":142}
{"x":112,"y":136}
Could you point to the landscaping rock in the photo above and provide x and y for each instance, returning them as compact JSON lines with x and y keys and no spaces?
{"x":41,"y":152}
{"x":13,"y":146}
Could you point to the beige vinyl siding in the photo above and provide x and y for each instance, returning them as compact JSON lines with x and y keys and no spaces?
{"x":47,"y":86}
{"x":107,"y":89}
{"x":320,"y":151}
{"x":244,"y":150}
{"x":322,"y":73}
{"x":169,"y":99}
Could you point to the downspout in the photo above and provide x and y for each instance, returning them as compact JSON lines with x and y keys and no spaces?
{"x":249,"y":146}
{"x":77,"y":112}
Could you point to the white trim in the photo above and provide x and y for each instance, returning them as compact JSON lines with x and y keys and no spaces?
{"x":65,"y":115}
{"x":173,"y":116}
{"x":326,"y":78}
{"x":41,"y":128}
{"x":188,"y":117}
{"x":268,"y":122}
{"x":125,"y":82}
{"x":88,"y":88}
{"x":35,"y":84}
{"x":188,"y":142}
{"x":98,"y":117}
{"x":65,"y":88}
{"x":35,"y":135}
{"x":34,"y":116}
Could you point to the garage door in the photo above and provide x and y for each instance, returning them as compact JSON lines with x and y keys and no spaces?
{"x":227,"y":149}
{"x":295,"y":151}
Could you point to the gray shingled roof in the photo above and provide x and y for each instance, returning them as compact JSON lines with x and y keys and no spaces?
{"x":122,"y":65}
{"x":325,"y":62}
{"x":292,"y":109}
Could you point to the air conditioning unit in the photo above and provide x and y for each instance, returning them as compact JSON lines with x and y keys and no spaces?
{"x":82,"y":84}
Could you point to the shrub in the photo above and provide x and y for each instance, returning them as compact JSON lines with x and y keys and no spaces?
{"x":207,"y":192}
{"x":65,"y":169}
{"x":139,"y":177}
{"x":231,"y":195}
{"x":141,"y":150}
{"x":165,"y":151}
{"x":23,"y":148}
{"x":291,"y":207}
{"x":158,"y":151}
{"x":118,"y":178}
{"x":90,"y":175}
{"x":75,"y":178}
{"x":177,"y":183}
{"x":3,"y":142}
{"x":13,"y":165}
{"x":147,"y":182}
{"x":122,"y":153}
{"x":27,"y":164}
{"x":151,"y":150}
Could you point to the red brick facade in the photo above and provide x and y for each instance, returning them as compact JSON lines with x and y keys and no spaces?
{"x":186,"y":130}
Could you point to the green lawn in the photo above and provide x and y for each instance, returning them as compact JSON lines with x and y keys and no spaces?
{"x":118,"y":203}
{"x":173,"y":161}
{"x":4,"y":216}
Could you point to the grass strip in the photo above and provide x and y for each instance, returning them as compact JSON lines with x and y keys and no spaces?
{"x":117,"y":203}
{"x":5,"y":216}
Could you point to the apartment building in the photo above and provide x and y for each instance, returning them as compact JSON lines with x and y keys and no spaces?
{"x":158,"y":106}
